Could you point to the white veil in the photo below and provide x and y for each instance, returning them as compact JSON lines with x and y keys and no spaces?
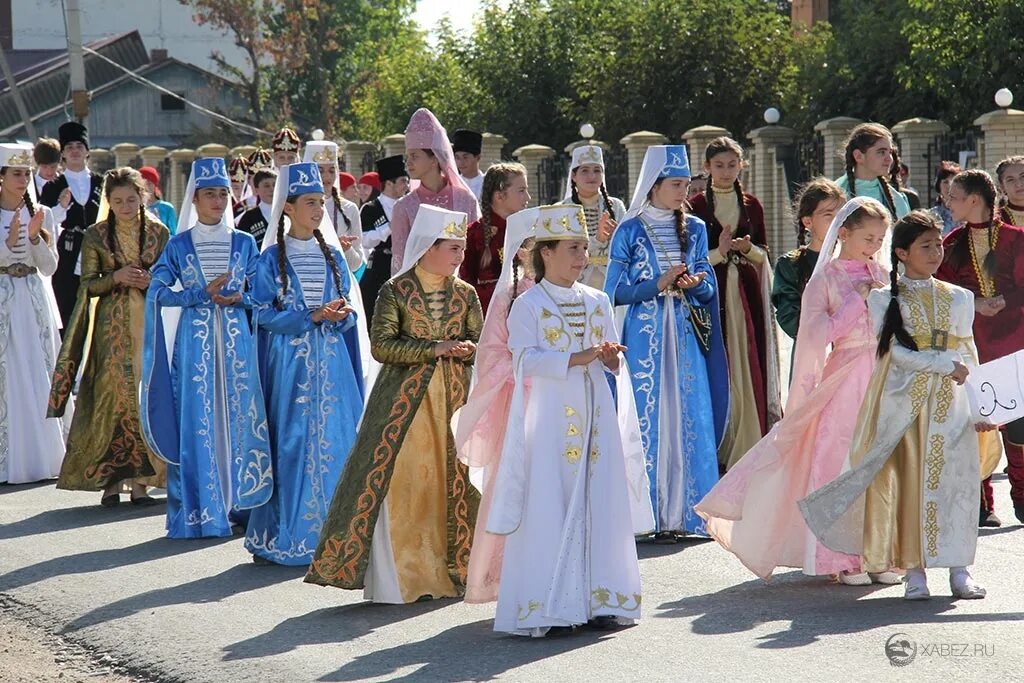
{"x":421,"y":240}
{"x":656,"y":160}
{"x":828,"y":248}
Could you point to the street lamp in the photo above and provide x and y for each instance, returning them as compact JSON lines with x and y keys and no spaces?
{"x":318,"y":134}
{"x":1004,"y":97}
{"x":587,"y":131}
{"x":771,"y":116}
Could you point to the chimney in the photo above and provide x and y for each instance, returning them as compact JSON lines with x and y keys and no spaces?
{"x":155,"y":55}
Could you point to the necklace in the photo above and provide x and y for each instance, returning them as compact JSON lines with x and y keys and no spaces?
{"x":985,"y":284}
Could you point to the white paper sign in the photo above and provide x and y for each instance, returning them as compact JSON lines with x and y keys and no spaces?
{"x":996,"y":390}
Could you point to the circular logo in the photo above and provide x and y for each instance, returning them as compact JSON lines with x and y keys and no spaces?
{"x":900,"y":649}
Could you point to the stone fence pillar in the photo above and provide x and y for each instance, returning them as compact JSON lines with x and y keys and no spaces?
{"x":531,"y":156}
{"x":767,"y":181}
{"x":490,"y":152}
{"x":1004,"y":137}
{"x":394,"y":144}
{"x":915,"y":137}
{"x":178,"y":170}
{"x":125,"y":154}
{"x":833,"y":134}
{"x":636,"y":145}
{"x":697,"y":140}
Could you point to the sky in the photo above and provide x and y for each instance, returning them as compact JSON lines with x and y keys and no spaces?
{"x":428,"y":12}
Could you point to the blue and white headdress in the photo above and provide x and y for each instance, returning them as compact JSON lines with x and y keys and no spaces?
{"x":294,"y":180}
{"x":660,"y":161}
{"x":206,"y":172}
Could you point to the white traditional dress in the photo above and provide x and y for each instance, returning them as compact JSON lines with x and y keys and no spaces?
{"x":31,"y":445}
{"x":910,"y":499}
{"x":566,"y":496}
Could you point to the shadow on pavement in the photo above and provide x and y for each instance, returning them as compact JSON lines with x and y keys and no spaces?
{"x":815,"y":607}
{"x":646,"y":550}
{"x":238,"y":579}
{"x":64,"y":519}
{"x":102,"y":560}
{"x":6,"y":488}
{"x":471,"y":652}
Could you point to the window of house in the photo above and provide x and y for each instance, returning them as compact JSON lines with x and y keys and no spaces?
{"x":172,"y":103}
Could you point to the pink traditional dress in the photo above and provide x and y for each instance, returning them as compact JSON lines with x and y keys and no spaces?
{"x":426,"y":132}
{"x":480,"y":430}
{"x":752,"y":511}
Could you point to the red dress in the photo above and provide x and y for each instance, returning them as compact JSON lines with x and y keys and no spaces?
{"x":1003,"y":333}
{"x":483,"y":278}
{"x":752,"y":297}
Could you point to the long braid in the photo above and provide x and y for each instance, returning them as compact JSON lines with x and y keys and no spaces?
{"x":111,"y":234}
{"x":142,"y":234}
{"x":890,"y":203}
{"x":331,"y":261}
{"x":337,"y":208}
{"x":607,"y":201}
{"x":282,"y":264}
{"x":714,"y":227}
{"x":575,"y":192}
{"x":893,"y":323}
{"x":31,"y":207}
{"x":742,"y":201}
{"x":486,"y":200}
{"x":681,"y":231}
{"x":515,"y":283}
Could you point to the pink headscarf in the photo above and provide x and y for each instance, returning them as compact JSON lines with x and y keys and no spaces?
{"x":426,"y":132}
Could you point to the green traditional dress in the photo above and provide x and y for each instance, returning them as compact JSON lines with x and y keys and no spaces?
{"x":791,"y":275}
{"x":402,"y":518}
{"x":105,"y":444}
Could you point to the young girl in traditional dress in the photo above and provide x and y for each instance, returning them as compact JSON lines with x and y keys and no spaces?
{"x":753,"y":511}
{"x":911,"y":498}
{"x":738,"y":250}
{"x":31,"y":445}
{"x":815,"y":207}
{"x":105,"y":447}
{"x":202,"y":403}
{"x":868,"y":160}
{"x":343,"y":214}
{"x":986,"y":256}
{"x":309,"y":365}
{"x":483,"y":420}
{"x":565,"y":495}
{"x":402,"y":517}
{"x":586,"y":188}
{"x":659,"y":270}
{"x":505,"y":191}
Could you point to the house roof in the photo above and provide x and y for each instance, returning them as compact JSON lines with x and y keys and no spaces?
{"x":43,"y":76}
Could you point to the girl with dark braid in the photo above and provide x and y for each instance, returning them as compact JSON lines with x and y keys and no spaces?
{"x":309,"y":365}
{"x":31,"y":444}
{"x":868,"y":160}
{"x":909,"y":499}
{"x":105,"y":447}
{"x":738,"y":249}
{"x":504,"y":192}
{"x":343,"y":214}
{"x":986,"y":256}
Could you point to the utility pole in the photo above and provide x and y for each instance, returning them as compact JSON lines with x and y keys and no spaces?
{"x":16,"y":94}
{"x":79,"y":95}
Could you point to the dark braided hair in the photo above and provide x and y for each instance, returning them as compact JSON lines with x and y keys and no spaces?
{"x":861,"y":139}
{"x":497,"y":179}
{"x":337,"y":209}
{"x":331,"y":261}
{"x":975,"y":182}
{"x":517,"y":263}
{"x":723,"y":145}
{"x":282,"y":264}
{"x":906,"y":231}
{"x":31,"y":207}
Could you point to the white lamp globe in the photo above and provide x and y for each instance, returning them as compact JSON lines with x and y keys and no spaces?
{"x":771,"y":116}
{"x":1004,"y":97}
{"x":587,"y":130}
{"x":318,"y":134}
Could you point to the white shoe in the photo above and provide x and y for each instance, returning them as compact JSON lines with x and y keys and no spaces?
{"x":860,"y":579}
{"x":964,"y":587}
{"x":889,"y":578}
{"x":917,"y":587}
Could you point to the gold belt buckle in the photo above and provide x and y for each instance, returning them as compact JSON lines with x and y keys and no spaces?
{"x":940,"y":340}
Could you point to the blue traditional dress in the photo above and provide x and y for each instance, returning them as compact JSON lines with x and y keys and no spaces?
{"x":202,"y":404}
{"x":675,"y":354}
{"x":313,"y":382}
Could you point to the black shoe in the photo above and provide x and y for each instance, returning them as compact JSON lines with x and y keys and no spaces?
{"x":111,"y":501}
{"x":144,"y":501}
{"x":237,"y":530}
{"x":604,"y":623}
{"x":1018,"y":512}
{"x":989,"y":520}
{"x":666,"y":538}
{"x":261,"y":561}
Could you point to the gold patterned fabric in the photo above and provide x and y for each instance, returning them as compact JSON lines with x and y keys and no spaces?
{"x":405,"y":452}
{"x":105,"y":444}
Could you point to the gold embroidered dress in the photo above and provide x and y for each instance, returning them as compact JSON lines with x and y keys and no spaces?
{"x":105,"y":444}
{"x":910,"y":499}
{"x":401,"y":521}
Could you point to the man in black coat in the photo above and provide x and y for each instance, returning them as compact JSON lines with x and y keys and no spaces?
{"x":74,"y":197}
{"x":375,"y":217}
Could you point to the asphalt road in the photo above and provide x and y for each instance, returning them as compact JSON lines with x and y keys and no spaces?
{"x":201,"y":611}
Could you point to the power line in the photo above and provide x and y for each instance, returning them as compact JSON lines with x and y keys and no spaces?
{"x":159,"y":88}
